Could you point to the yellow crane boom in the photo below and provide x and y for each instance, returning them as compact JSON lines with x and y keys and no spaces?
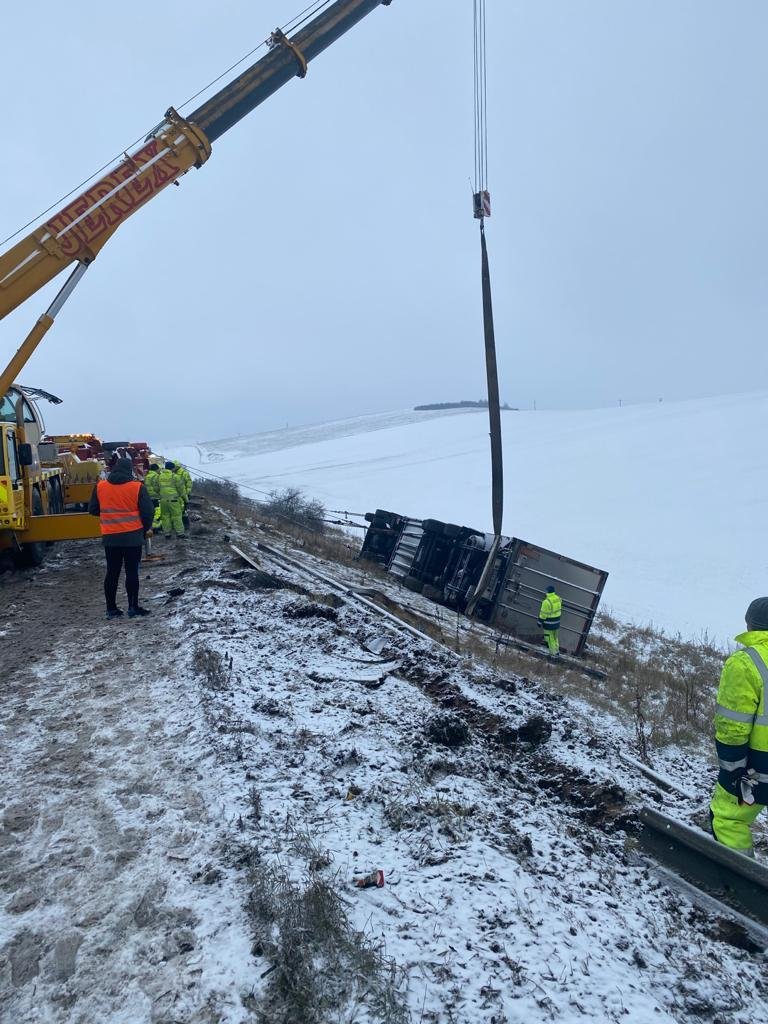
{"x":33,"y":491}
{"x":77,"y":232}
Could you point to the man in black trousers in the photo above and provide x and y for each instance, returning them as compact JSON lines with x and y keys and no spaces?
{"x":125,"y":511}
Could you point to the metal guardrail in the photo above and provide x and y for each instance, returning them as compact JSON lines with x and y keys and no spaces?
{"x":731,"y":877}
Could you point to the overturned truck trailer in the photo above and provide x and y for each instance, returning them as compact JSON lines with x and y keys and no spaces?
{"x":524,"y":570}
{"x":445,"y":562}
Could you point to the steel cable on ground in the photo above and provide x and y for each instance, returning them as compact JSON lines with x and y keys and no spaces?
{"x":296,"y":22}
{"x":275,"y":512}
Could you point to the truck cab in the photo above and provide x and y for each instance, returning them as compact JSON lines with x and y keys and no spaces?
{"x":17,"y":406}
{"x":11,"y":480}
{"x":31,"y":476}
{"x":34,"y":427}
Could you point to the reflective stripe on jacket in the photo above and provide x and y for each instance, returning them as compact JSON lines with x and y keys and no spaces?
{"x":119,"y":506}
{"x":171,"y":486}
{"x":741,"y":717}
{"x":549,"y":613}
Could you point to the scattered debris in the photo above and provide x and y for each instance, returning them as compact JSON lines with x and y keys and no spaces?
{"x":374,"y":880}
{"x":310,"y":610}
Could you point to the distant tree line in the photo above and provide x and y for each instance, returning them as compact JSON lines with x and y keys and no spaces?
{"x":481,"y":403}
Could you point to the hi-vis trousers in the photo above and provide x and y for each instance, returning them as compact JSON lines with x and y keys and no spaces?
{"x":731,"y":820}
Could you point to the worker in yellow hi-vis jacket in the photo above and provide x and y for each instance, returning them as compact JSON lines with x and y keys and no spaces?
{"x":549,"y":620}
{"x":741,"y":735}
{"x":152,"y":483}
{"x":172,"y":494}
{"x":185,"y":476}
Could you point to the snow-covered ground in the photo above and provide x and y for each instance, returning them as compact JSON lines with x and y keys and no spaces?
{"x":188,"y":799}
{"x":670,"y":498}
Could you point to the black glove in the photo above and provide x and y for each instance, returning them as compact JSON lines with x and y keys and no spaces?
{"x":731,"y":782}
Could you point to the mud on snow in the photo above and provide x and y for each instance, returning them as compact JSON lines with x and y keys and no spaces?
{"x":190,"y":799}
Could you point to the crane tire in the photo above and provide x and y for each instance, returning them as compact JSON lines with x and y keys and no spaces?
{"x":32,"y":555}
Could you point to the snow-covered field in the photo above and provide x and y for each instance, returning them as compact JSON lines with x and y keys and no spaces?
{"x":670,"y":498}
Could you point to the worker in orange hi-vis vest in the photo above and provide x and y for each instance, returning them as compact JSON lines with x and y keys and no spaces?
{"x":126,"y":511}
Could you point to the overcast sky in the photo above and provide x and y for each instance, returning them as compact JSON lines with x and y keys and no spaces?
{"x":324,"y":263}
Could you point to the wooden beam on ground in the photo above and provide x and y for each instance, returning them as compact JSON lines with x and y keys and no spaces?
{"x":246,"y":558}
{"x":565,"y":661}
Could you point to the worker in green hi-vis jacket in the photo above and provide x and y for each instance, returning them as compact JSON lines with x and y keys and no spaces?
{"x":741,"y":735}
{"x":549,"y":620}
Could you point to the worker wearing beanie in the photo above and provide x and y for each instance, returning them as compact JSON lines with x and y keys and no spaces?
{"x":125,"y":511}
{"x":549,"y":620}
{"x":172,"y":492}
{"x":741,"y":735}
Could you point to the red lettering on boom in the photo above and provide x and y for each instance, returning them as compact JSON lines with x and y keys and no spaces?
{"x":127,"y":191}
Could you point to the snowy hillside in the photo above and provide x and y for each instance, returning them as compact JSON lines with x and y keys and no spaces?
{"x":670,"y":498}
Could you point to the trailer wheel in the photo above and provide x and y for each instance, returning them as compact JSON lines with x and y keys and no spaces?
{"x":483,"y":611}
{"x":432,"y":593}
{"x":32,"y":555}
{"x":411,"y":583}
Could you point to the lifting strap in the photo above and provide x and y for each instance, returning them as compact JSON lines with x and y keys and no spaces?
{"x":494,"y":416}
{"x":481,"y":210}
{"x":494,"y":408}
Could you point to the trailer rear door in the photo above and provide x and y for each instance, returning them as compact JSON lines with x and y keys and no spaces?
{"x":529,"y":570}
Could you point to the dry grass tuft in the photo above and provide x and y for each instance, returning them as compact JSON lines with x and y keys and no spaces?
{"x":669,"y":684}
{"x":214,"y":668}
{"x":318,"y":962}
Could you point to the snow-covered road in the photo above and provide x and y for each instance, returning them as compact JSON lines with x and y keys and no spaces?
{"x":118,"y":906}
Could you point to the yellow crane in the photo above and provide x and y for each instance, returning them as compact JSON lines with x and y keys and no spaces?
{"x":34,"y":486}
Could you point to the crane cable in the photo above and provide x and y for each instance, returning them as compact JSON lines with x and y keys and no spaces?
{"x":481,"y":99}
{"x":482,"y":209}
